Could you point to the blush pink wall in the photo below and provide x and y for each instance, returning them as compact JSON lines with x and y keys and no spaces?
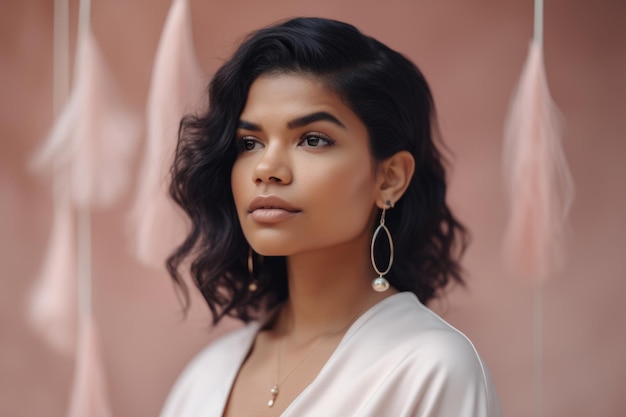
{"x":472,"y":53}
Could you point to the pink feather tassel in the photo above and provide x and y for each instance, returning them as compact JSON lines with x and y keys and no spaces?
{"x":539,"y":180}
{"x":89,"y":397}
{"x":177,"y":84}
{"x":95,"y":135}
{"x":52,"y":307}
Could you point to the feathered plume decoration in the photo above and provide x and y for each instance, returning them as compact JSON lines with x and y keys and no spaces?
{"x":96,"y":134}
{"x":53,"y":303}
{"x":539,"y":181}
{"x":176,"y":87}
{"x":540,"y":186}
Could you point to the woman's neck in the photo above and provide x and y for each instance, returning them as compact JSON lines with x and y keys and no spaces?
{"x":328,"y":290}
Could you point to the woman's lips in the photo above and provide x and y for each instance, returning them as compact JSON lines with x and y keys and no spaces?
{"x":271,"y":209}
{"x":272,"y":215}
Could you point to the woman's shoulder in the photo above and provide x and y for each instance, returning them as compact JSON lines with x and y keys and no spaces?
{"x":403,"y":325}
{"x":407,"y":353}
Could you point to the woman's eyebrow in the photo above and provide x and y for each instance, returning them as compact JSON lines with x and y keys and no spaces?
{"x":295,"y":123}
{"x":312,"y":118}
{"x":249,"y":126}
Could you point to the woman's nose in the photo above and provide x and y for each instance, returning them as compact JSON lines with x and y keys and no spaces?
{"x":273,"y":166}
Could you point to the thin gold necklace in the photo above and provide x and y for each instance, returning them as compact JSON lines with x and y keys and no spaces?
{"x":275,"y":390}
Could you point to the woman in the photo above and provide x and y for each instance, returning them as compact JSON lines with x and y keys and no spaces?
{"x":317,"y":200}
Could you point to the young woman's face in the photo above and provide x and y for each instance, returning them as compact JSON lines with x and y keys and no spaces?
{"x":304,"y":179}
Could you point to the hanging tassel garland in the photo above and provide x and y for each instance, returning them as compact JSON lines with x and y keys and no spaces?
{"x":89,"y":152}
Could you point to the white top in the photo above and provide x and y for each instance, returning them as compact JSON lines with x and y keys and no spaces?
{"x":398,"y":359}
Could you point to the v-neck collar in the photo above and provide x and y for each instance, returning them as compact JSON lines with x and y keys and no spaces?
{"x":252,"y":330}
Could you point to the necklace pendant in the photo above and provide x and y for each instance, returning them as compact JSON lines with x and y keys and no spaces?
{"x":274,"y":392}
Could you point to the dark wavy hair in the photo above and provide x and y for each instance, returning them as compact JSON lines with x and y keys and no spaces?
{"x":389,"y":95}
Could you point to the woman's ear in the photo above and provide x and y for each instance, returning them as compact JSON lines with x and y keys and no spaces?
{"x":394,"y":176}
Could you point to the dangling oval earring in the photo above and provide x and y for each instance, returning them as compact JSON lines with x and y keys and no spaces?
{"x":254,"y":284}
{"x":381,"y":284}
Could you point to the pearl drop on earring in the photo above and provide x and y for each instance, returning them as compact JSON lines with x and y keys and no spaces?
{"x":380,"y":284}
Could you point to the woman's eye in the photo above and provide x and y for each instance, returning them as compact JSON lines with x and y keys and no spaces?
{"x":316,"y":140}
{"x":247,"y":144}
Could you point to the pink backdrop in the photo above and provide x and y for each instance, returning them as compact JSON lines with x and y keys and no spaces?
{"x":472,"y":54}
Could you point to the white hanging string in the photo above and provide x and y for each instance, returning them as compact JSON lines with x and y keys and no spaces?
{"x":61,"y":56}
{"x":538,"y":347}
{"x":84,"y":263}
{"x":60,"y":89}
{"x":538,"y":293}
{"x":84,"y":13}
{"x":60,"y":95}
{"x":84,"y":251}
{"x":538,"y":22}
{"x":60,"y":83}
{"x":84,"y":267}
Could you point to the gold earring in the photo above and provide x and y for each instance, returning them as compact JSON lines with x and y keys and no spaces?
{"x":254,"y":284}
